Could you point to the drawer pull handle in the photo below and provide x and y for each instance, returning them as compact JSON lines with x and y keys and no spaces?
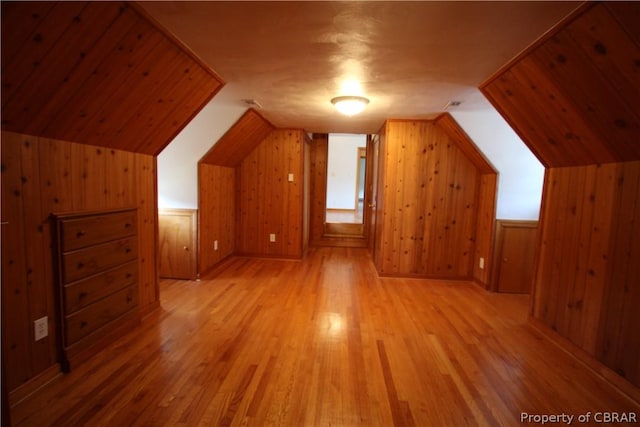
{"x":128,"y":276}
{"x":127,"y":250}
{"x":127,"y":225}
{"x":80,"y":234}
{"x":129,"y":298}
{"x":80,"y":265}
{"x":82,"y":295}
{"x":83,"y":324}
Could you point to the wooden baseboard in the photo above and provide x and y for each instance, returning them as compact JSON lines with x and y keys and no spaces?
{"x":625,"y":388}
{"x":213,"y":270}
{"x":481,"y":284}
{"x":34,"y":384}
{"x":267,"y":256}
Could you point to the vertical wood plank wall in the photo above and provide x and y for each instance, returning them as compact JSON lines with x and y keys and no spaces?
{"x":41,"y":176}
{"x":216,"y":204}
{"x":306,"y":194}
{"x":485,"y":230}
{"x":588,"y":275}
{"x":266,"y":201}
{"x":427,"y":212}
{"x":318,"y":186}
{"x":379,"y":201}
{"x":487,"y":194}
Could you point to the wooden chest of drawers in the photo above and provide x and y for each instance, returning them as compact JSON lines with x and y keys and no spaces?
{"x":97,"y":268}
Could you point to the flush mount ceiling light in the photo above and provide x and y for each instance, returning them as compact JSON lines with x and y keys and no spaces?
{"x":350,"y":105}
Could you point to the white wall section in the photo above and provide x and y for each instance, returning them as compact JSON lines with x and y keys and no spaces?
{"x":342,"y":169}
{"x":178,"y":162}
{"x":521,"y":175}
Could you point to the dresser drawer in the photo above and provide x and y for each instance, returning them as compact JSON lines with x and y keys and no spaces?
{"x":86,"y":262}
{"x":94,"y":316}
{"x":91,"y":230}
{"x":86,"y":291}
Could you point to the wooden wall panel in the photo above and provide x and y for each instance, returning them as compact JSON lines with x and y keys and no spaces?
{"x":318,"y":186}
{"x":381,"y":187}
{"x":16,"y":334}
{"x":236,"y":144}
{"x":306,"y":194}
{"x":574,"y":96}
{"x":177,"y":239}
{"x":266,"y":201}
{"x":217,"y":207}
{"x":99,"y":73}
{"x":427,"y":218}
{"x":618,"y":338}
{"x":448,"y":124}
{"x":146,"y":174}
{"x":514,"y":256}
{"x":587,"y":271}
{"x":485,"y":230}
{"x":41,"y":176}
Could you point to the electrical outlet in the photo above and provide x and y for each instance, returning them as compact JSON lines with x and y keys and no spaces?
{"x":41,"y":328}
{"x":290,"y":177}
{"x":481,"y":264}
{"x":272,"y":237}
{"x":215,"y":245}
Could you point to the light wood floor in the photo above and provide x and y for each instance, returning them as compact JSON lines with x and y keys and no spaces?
{"x":345,"y":216}
{"x":324,"y":342}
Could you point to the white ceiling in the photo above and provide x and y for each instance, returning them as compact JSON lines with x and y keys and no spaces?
{"x":409,"y":58}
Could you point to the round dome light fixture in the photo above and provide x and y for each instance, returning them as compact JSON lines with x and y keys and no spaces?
{"x":350,"y":105}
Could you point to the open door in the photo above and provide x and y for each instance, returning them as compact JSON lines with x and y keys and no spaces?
{"x":333,"y":224}
{"x":371,"y":192}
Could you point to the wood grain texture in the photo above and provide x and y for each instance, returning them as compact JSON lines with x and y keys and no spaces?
{"x":427,"y":203}
{"x":325,"y":341}
{"x":485,"y":228}
{"x":486,"y":198}
{"x":99,"y":73}
{"x":266,"y":201}
{"x":318,"y":187}
{"x":514,"y":256}
{"x":178,"y":240}
{"x":573,"y":96}
{"x":587,"y":271}
{"x":449,"y":125}
{"x":242,"y":138}
{"x":41,"y":176}
{"x":217,"y":219}
{"x":96,"y":261}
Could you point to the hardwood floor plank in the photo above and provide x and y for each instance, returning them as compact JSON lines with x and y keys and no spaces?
{"x":324,"y":341}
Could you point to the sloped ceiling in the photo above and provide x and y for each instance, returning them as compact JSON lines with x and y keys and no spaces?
{"x":99,"y":73}
{"x":245,"y":134}
{"x":574,"y":97}
{"x":410,"y":58}
{"x":466,"y":145}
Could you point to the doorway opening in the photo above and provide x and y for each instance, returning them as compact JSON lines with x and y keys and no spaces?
{"x":345,"y":197}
